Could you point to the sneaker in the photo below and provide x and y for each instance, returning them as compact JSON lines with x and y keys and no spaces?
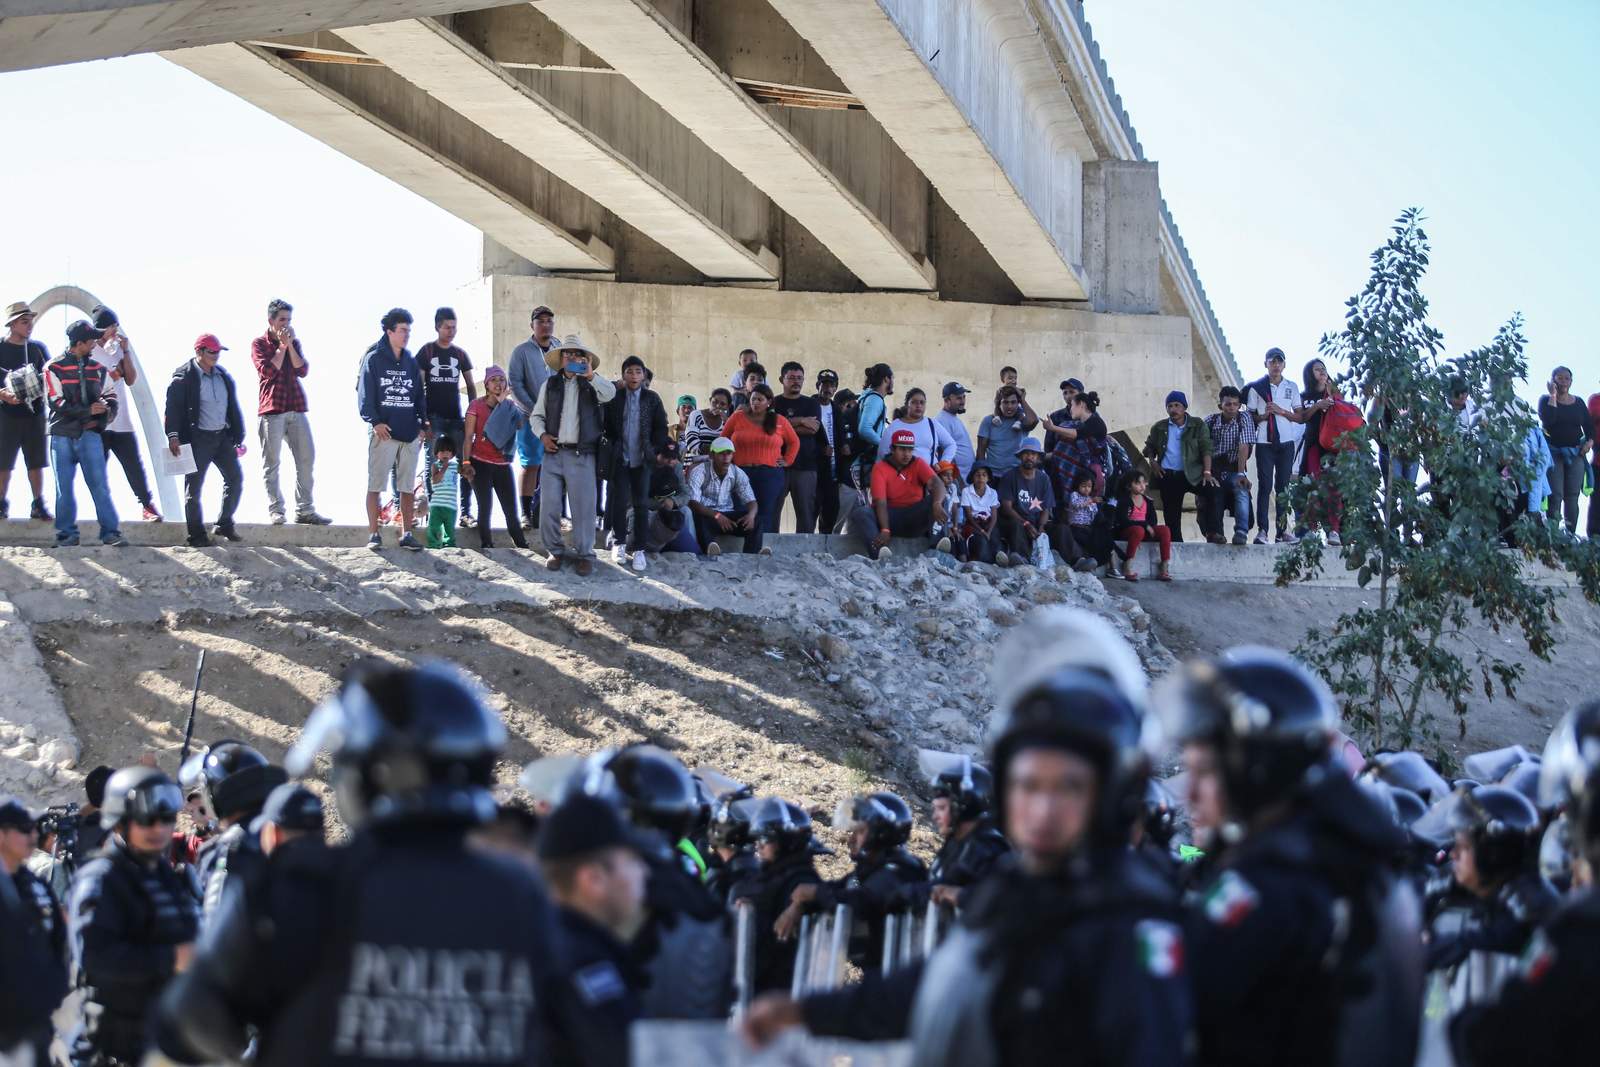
{"x":529,"y":522}
{"x":619,"y":555}
{"x":114,"y":541}
{"x":553,"y":563}
{"x":1084,"y":565}
{"x":198,"y":542}
{"x":1333,"y":538}
{"x":885,"y":554}
{"x":227,"y":533}
{"x":40,"y":512}
{"x":585,"y":566}
{"x":1261,"y":538}
{"x":71,"y":542}
{"x":310,"y":518}
{"x":1287,"y":538}
{"x":278,"y":520}
{"x":943,"y":545}
{"x":638,"y":561}
{"x":713,"y":550}
{"x":1216,"y":539}
{"x":409,"y":542}
{"x":467,"y":522}
{"x":1002,"y":560}
{"x":766,"y":550}
{"x":375,"y":542}
{"x":150,"y":514}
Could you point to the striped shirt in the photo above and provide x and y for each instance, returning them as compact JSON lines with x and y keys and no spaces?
{"x":445,"y":493}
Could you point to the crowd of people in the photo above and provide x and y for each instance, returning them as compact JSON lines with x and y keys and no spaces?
{"x":1285,"y":901}
{"x":613,"y":462}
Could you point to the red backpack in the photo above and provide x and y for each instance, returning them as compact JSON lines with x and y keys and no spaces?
{"x":1340,"y":419}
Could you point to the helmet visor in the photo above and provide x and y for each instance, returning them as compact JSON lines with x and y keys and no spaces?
{"x":156,"y":803}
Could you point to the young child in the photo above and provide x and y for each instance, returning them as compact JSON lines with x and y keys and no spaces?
{"x":1136,"y":520}
{"x":980,"y":511}
{"x":1083,"y":508}
{"x":951,"y":477}
{"x":444,"y":494}
{"x":1008,"y":376}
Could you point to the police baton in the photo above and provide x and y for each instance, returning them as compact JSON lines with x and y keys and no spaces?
{"x":194,"y":700}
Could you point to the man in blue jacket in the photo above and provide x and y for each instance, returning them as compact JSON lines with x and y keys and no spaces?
{"x":394,"y":406}
{"x":203,"y":413}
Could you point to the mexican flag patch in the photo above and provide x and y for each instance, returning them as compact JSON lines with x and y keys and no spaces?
{"x":1231,"y":900}
{"x":1160,"y":947}
{"x":1537,"y":960}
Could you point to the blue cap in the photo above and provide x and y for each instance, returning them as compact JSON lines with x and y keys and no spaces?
{"x":1177,"y":395}
{"x":1030,"y":444}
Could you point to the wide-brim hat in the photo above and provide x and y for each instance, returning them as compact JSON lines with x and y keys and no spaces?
{"x":553,"y":360}
{"x":16,"y":311}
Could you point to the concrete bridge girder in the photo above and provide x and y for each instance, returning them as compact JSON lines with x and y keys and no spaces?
{"x":446,"y":67}
{"x":960,"y":89}
{"x":282,"y":89}
{"x":649,"y":50}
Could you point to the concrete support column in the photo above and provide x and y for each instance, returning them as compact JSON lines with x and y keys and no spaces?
{"x":1122,"y":236}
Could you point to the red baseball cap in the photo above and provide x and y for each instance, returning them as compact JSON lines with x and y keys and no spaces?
{"x":209,"y":342}
{"x":903,"y":439}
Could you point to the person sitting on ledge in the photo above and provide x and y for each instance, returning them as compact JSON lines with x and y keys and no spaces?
{"x":907,"y":500}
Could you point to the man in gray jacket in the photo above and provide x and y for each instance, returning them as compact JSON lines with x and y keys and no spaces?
{"x":526,"y":374}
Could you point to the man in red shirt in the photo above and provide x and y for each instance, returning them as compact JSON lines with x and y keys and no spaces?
{"x":907,"y":500}
{"x":280,"y":364}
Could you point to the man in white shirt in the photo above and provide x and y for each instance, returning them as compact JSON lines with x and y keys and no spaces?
{"x":115,"y":353}
{"x":1269,"y":401}
{"x":722,"y":501}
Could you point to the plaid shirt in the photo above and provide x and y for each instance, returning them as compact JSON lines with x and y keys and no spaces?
{"x":1227,"y":436}
{"x":720,"y":494}
{"x":280,"y":386}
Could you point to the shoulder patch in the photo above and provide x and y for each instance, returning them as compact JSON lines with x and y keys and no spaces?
{"x":599,"y":983}
{"x":1537,"y":958}
{"x":1160,"y":947}
{"x":1231,"y":900}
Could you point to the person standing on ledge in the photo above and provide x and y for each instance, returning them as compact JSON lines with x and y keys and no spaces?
{"x":280,"y":363}
{"x":203,"y":412}
{"x":114,"y":352}
{"x":568,"y":422}
{"x":22,"y":420}
{"x":80,"y":402}
{"x":394,"y":406}
{"x":526,"y":372}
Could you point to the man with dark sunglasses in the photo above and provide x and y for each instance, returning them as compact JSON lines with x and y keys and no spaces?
{"x":133,"y":918}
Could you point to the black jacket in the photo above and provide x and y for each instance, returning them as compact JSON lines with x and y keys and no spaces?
{"x":128,"y":917}
{"x":33,"y":970}
{"x":1120,"y":519}
{"x":872,"y":890}
{"x":597,"y":997}
{"x":652,"y":414}
{"x":769,"y":889}
{"x":71,"y":388}
{"x":183,"y":404}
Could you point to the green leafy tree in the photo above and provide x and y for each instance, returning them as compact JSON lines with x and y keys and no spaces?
{"x":1438,"y":550}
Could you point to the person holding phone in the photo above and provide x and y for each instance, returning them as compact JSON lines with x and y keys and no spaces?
{"x":568,"y":421}
{"x":1571,"y":434}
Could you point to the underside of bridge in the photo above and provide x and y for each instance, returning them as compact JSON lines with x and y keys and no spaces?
{"x":950,"y":187}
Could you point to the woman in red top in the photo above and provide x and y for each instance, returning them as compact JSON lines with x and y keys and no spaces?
{"x":1134,"y":520}
{"x":763,"y":445}
{"x":486,"y":467}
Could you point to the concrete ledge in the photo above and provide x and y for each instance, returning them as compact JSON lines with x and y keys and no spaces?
{"x":1192,"y":561}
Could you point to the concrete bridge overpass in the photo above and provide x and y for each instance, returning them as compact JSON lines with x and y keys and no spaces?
{"x":948,"y":186}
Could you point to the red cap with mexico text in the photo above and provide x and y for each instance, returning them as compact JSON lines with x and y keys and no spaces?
{"x":209,"y":342}
{"x":903,"y":439}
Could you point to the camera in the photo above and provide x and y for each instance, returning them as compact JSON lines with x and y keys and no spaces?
{"x":61,"y":820}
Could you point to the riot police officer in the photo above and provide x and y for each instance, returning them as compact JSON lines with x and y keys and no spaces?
{"x":880,"y":826}
{"x":1305,"y":944}
{"x":786,"y":852}
{"x":732,"y":858}
{"x":133,"y":918}
{"x":1069,"y":953}
{"x":1543,"y":1013}
{"x":403,"y":945}
{"x":34,"y":933}
{"x":972,"y":846}
{"x":235,"y":780}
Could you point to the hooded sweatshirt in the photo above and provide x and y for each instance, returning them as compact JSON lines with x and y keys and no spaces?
{"x":390,"y":391}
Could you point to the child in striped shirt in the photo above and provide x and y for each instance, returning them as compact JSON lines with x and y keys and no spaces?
{"x":444,"y":495}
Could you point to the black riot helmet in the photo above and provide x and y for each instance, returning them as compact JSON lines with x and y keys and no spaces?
{"x":1270,"y":720}
{"x":888,"y":820}
{"x":233,"y":777}
{"x":408,"y":744}
{"x":646,"y":783}
{"x":1524,"y":779}
{"x":1083,"y":711}
{"x":1504,"y":827}
{"x":1160,"y":813}
{"x":1408,"y":770}
{"x":142,"y":795}
{"x":730,"y":819}
{"x":1408,"y":806}
{"x":1569,"y":777}
{"x":777,"y":821}
{"x":963,"y":781}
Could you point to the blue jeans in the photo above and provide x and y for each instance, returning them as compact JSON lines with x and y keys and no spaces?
{"x":768,"y":485}
{"x":68,"y":455}
{"x":1274,"y":471}
{"x":1229,"y":491}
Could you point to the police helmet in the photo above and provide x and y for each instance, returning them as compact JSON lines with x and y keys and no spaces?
{"x":787,"y":825}
{"x":1408,"y":770}
{"x":1160,"y":813}
{"x":1270,"y":719}
{"x":1524,"y":779}
{"x":1409,"y":807}
{"x":648,"y":784}
{"x":142,"y":795}
{"x":963,"y":781}
{"x":730,"y":820}
{"x":408,"y":744}
{"x":234,"y":778}
{"x":1569,"y":776}
{"x":888,"y":819}
{"x":1082,"y":711}
{"x":1504,"y":828}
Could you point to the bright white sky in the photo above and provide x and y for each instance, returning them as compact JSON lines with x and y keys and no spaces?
{"x":1289,"y":135}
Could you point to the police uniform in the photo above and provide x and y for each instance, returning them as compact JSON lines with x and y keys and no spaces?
{"x":597,"y":998}
{"x":128,"y":917}
{"x":966,"y":861}
{"x":683,"y":950}
{"x":230,"y":858}
{"x":723,"y":874}
{"x":769,"y":889}
{"x":36,"y":938}
{"x":872,"y":889}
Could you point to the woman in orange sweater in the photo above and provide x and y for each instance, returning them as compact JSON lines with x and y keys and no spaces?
{"x":763,"y":445}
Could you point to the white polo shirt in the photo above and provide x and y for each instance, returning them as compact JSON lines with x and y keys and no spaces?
{"x":1276,"y":429}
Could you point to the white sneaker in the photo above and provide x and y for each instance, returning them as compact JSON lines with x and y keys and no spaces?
{"x":638,"y":561}
{"x":943,"y":545}
{"x":1002,"y":560}
{"x":713,"y":549}
{"x":619,"y":555}
{"x":766,"y":550}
